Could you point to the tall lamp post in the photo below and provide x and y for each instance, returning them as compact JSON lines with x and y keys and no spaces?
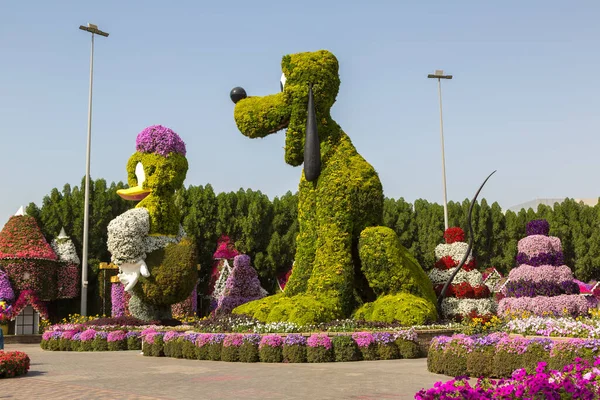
{"x":93,"y":29}
{"x":439,"y":75}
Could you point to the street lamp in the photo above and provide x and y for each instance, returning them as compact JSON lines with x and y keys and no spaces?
{"x":439,"y":75}
{"x":93,"y":29}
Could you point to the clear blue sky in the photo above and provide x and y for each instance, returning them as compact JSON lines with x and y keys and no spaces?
{"x":524,"y":98}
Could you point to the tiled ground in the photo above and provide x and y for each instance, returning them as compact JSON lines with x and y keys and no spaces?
{"x":128,"y":375}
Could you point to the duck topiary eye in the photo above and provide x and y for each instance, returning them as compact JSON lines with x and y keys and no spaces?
{"x":140,"y":175}
{"x":282,"y":82}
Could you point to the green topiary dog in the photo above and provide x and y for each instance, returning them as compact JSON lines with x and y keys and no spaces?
{"x":343,"y":258}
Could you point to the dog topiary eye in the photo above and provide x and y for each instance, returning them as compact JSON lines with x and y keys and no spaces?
{"x":282,"y":82}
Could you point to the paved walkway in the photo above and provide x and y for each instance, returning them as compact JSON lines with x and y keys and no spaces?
{"x":129,"y":375}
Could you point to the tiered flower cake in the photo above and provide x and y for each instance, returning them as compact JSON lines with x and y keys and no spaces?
{"x":467,"y":296}
{"x":541,"y":284}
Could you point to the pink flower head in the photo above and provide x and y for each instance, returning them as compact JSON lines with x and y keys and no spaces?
{"x":160,"y":140}
{"x":319,"y":340}
{"x":270,"y":340}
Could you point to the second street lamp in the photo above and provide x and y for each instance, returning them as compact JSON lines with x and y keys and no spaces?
{"x":93,"y":29}
{"x":439,"y":75}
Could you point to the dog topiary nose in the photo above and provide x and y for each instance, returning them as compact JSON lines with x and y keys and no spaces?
{"x":237,"y":94}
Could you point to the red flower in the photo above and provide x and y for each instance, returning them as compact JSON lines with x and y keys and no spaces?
{"x":454,"y":234}
{"x":463,"y":290}
{"x":445,"y":262}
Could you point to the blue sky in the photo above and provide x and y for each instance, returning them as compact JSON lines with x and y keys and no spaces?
{"x":524,"y":98}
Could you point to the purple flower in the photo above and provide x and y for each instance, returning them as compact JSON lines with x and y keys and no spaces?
{"x":383,"y":337}
{"x":217,"y":338}
{"x":319,"y":340}
{"x":242,"y":286}
{"x":6,"y":290}
{"x":294,"y":339}
{"x":132,"y":334}
{"x":117,"y":295}
{"x":101,"y":335}
{"x":77,"y":336}
{"x":253,"y":338}
{"x":160,"y":140}
{"x":538,"y":227}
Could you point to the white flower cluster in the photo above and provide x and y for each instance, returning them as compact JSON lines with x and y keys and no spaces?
{"x":220,"y":284}
{"x":65,"y":250}
{"x":128,"y":239}
{"x":439,"y":277}
{"x":453,"y":306}
{"x":126,"y":234}
{"x":456,"y":250}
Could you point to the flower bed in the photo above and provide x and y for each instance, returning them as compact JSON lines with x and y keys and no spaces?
{"x":578,"y":380}
{"x":555,"y":327}
{"x":274,"y":348}
{"x":13,"y":363}
{"x":497,"y":355}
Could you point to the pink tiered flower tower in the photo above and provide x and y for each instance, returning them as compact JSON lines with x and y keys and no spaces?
{"x":541,"y":284}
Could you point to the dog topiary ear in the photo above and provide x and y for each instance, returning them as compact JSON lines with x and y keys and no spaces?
{"x":312,"y":148}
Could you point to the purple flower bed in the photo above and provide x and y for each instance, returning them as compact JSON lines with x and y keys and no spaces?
{"x":541,"y":259}
{"x":564,"y":305}
{"x":546,"y":273}
{"x":294,"y":339}
{"x":542,"y":288}
{"x":242,"y":286}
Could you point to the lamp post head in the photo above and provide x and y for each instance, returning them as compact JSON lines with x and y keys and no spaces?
{"x":93,"y":29}
{"x":439,"y":74}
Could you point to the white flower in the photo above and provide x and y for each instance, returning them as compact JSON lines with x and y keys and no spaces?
{"x":456,"y":250}
{"x":65,"y":250}
{"x":126,"y":235}
{"x":453,"y":306}
{"x":439,"y":277}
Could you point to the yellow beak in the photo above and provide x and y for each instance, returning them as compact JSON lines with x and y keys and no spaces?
{"x":135,"y":193}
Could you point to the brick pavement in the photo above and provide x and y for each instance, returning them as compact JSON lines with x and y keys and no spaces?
{"x":129,"y":376}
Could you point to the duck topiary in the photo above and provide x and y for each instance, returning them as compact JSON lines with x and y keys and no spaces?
{"x":157,"y":263}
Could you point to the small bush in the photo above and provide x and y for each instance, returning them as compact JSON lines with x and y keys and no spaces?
{"x":99,"y":344}
{"x":85,"y":345}
{"x":369,"y":353}
{"x":480,"y":362}
{"x":134,"y":343}
{"x":117,"y":345}
{"x":506,"y":362}
{"x":345,"y":348}
{"x":269,"y":349}
{"x":248,"y":352}
{"x":270,"y":354}
{"x":64,"y":344}
{"x":230,"y":353}
{"x":319,"y":348}
{"x":387,"y":351}
{"x":407,"y":348}
{"x":13,"y":363}
{"x":44,"y":344}
{"x":188,"y":350}
{"x":53,"y":345}
{"x":214,"y":351}
{"x":295,"y":353}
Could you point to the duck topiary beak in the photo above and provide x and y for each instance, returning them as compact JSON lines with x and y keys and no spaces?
{"x":135,"y":193}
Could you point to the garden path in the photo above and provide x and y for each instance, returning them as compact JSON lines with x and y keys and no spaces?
{"x":129,"y":375}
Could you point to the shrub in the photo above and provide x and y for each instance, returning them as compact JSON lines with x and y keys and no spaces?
{"x":134,"y":342}
{"x":231,"y":346}
{"x":99,"y":343}
{"x":202,"y":342}
{"x":407,"y":348}
{"x":269,"y":349}
{"x":480,"y":362}
{"x":169,"y":340}
{"x":249,"y":349}
{"x":214,"y":347}
{"x":116,"y":340}
{"x":188,"y":348}
{"x":153,"y":344}
{"x":345,"y":348}
{"x":294,"y":348}
{"x":366,"y":345}
{"x":53,"y":344}
{"x":13,"y":363}
{"x":319,"y":348}
{"x":386,"y":348}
